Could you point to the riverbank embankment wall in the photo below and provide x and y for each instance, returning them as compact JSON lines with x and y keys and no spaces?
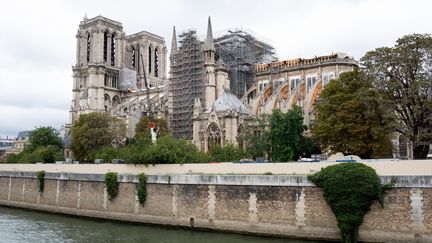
{"x":279,"y":205}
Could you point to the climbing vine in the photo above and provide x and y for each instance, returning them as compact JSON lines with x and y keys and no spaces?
{"x":349,"y":189}
{"x":41,"y":177}
{"x":111,"y":183}
{"x":142,"y":188}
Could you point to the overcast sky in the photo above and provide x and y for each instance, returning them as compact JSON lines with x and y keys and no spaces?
{"x":37,"y":38}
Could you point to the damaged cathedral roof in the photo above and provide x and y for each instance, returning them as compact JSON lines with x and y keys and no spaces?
{"x":227,"y":102}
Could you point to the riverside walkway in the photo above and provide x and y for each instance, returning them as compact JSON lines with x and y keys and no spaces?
{"x":383,"y":168}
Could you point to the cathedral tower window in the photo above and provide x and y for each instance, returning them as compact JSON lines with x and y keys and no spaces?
{"x":88,"y":46}
{"x":214,"y":136}
{"x":156,"y":63}
{"x":133,"y":57}
{"x":149,"y":59}
{"x":105,"y":47}
{"x":113,"y":49}
{"x":114,"y":80}
{"x":106,"y":79}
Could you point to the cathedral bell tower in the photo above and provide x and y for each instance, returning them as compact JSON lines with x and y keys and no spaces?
{"x":209,"y":64}
{"x":98,"y":62}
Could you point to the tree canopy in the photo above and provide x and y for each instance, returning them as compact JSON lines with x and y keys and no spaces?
{"x":403,"y":76}
{"x":281,"y":136}
{"x":43,"y":136}
{"x":142,"y":128}
{"x":44,"y":146}
{"x":349,"y":119}
{"x":349,"y":189}
{"x":93,"y":131}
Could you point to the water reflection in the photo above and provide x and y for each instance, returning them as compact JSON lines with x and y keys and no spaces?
{"x":18,"y":225}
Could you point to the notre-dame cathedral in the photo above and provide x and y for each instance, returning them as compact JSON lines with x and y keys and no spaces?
{"x":214,"y":86}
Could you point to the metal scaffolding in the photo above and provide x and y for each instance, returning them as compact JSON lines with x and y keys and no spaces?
{"x":240,"y":51}
{"x":186,"y":83}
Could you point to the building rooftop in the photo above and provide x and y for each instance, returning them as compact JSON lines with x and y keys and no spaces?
{"x":22,"y":135}
{"x":228,"y":102}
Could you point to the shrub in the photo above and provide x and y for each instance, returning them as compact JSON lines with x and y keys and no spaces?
{"x":48,"y":153}
{"x":107,"y":153}
{"x":142,"y":188}
{"x":111,"y":183}
{"x":12,"y":158}
{"x":349,"y":189}
{"x":41,"y":177}
{"x":227,"y":153}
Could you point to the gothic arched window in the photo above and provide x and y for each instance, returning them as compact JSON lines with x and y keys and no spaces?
{"x":105,"y":47}
{"x":107,"y":102}
{"x":88,"y":46}
{"x":106,"y":79}
{"x":156,"y":62}
{"x":149,"y":59}
{"x":214,"y":136}
{"x":113,"y":49}
{"x":240,"y":137}
{"x":114,"y":80}
{"x":115,"y":101}
{"x":133,"y":57}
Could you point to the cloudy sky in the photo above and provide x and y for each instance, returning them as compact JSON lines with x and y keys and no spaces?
{"x":37,"y":38}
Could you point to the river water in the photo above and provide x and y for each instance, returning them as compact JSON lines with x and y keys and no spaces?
{"x":17,"y":225}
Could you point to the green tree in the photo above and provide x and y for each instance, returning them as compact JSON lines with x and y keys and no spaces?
{"x":257,"y":140}
{"x":349,"y":189}
{"x":403,"y":76}
{"x":44,"y":146}
{"x":93,"y":131}
{"x":227,"y":153}
{"x":50,"y":154}
{"x":142,"y":128}
{"x":286,"y":134}
{"x":280,"y":136}
{"x":43,"y":136}
{"x":349,"y":119}
{"x":169,"y":150}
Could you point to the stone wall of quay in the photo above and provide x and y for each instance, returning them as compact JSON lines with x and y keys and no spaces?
{"x":278,"y":205}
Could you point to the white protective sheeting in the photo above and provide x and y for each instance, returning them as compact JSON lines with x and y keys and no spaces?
{"x":127,"y":79}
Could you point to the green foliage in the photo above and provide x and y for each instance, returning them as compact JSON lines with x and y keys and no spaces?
{"x":93,"y":131}
{"x":286,"y":134}
{"x":112,"y":184}
{"x":12,"y":158}
{"x":142,"y":188}
{"x":142,"y":128}
{"x":50,"y":153}
{"x":349,"y":119}
{"x":46,"y":154}
{"x":106,"y":153}
{"x":280,"y":136}
{"x":257,"y":139}
{"x":43,"y":137}
{"x":168,"y":150}
{"x":227,"y":153}
{"x":44,"y":146}
{"x":403,"y":75}
{"x":41,"y":178}
{"x":349,"y":189}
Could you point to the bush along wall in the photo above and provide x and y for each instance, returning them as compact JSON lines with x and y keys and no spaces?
{"x":41,"y":178}
{"x":142,"y":189}
{"x":111,"y":184}
{"x":349,"y":189}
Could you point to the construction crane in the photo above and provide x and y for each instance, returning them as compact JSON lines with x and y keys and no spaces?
{"x":149,"y":111}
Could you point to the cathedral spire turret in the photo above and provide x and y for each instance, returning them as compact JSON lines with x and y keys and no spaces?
{"x":209,"y":44}
{"x":174,"y":42}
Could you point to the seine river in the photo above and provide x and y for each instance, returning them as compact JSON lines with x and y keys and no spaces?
{"x":18,"y":225}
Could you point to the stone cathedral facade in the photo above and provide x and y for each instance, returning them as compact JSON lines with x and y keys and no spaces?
{"x":125,"y":75}
{"x":109,"y":72}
